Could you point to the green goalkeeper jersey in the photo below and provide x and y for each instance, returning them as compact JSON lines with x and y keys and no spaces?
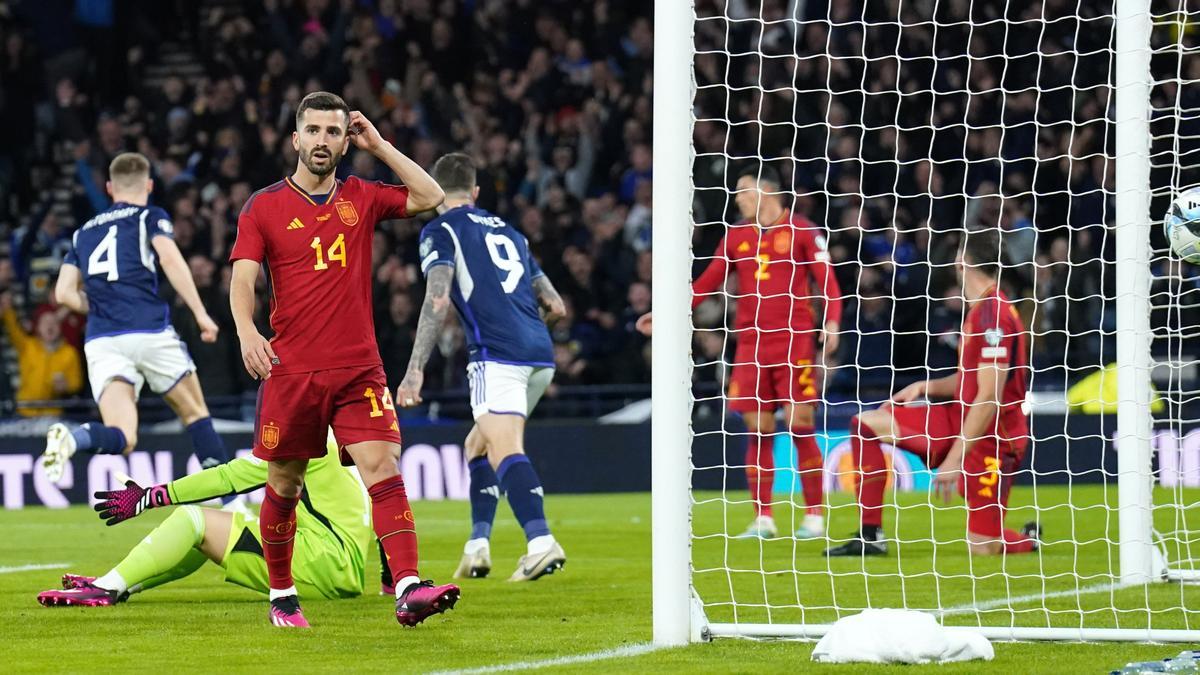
{"x":333,"y":497}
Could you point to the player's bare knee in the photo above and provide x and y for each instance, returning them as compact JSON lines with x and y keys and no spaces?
{"x":286,"y":478}
{"x":759,"y":422}
{"x":877,"y":421}
{"x":187,"y":400}
{"x":375,"y":461}
{"x":498,"y":455}
{"x":983,"y":545}
{"x":476,"y":445}
{"x":802,"y":416}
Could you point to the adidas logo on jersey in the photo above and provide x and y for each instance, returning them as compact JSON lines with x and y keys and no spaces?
{"x":295,"y":224}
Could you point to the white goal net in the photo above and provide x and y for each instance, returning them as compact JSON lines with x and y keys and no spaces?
{"x":894,"y":127}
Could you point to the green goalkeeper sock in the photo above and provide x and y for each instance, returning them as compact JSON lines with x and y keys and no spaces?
{"x":166,"y":554}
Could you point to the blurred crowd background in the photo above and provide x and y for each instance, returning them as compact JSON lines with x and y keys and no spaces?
{"x":893,"y":140}
{"x":551,"y":98}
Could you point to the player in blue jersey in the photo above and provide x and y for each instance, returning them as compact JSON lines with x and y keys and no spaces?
{"x":482,"y":264}
{"x":111,"y":275}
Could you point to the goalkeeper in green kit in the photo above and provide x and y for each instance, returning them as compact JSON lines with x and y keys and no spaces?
{"x":332,"y":536}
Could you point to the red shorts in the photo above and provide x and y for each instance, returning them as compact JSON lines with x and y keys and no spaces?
{"x":758,"y":382}
{"x":931,"y":430}
{"x":296,"y":410}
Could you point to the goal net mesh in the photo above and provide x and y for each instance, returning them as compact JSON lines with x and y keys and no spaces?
{"x":896,"y":126}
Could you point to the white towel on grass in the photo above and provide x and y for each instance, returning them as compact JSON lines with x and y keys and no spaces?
{"x":899,"y":636}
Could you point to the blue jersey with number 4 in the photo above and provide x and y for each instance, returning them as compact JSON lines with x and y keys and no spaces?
{"x":120,"y":270}
{"x":493,"y":289}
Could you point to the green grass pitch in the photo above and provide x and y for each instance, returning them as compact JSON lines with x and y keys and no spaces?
{"x":600,"y":602}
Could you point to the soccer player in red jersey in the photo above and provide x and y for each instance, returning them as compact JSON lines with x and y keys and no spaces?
{"x":977,"y":438}
{"x":783,"y":272}
{"x":313,"y":233}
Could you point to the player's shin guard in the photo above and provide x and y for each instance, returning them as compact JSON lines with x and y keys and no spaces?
{"x":760,"y":472}
{"x":811,"y":467}
{"x":871,"y":472}
{"x":209,"y":448}
{"x":524,"y":490}
{"x":485,"y":495}
{"x":168,"y":548}
{"x":277,"y":525}
{"x":96,"y":438}
{"x":394,"y":526}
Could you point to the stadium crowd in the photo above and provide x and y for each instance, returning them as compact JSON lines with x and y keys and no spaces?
{"x":892,"y":141}
{"x":553,"y":100}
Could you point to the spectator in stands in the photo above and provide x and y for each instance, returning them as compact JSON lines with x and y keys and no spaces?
{"x":49,"y":367}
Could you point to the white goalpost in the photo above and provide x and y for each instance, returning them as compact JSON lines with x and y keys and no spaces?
{"x":896,"y":127}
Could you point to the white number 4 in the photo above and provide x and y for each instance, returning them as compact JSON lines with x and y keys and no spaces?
{"x":104,"y":259}
{"x":509,"y":260}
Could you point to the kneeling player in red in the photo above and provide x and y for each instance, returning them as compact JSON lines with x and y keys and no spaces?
{"x":313,"y":234}
{"x":976,"y":439}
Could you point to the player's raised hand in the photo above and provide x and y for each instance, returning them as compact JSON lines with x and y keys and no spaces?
{"x":363,"y":134}
{"x":116,"y":506}
{"x":258,"y":356}
{"x":910,"y":393}
{"x":208,"y":328}
{"x":408,"y":394}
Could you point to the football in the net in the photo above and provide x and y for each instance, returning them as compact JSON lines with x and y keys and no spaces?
{"x":1182,"y":225}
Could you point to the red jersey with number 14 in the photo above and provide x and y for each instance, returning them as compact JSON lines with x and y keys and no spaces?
{"x":316,"y":250}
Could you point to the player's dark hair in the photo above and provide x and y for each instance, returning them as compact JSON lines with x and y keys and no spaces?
{"x":321,"y":100}
{"x":128,"y":169}
{"x":455,"y":172}
{"x":981,"y":252}
{"x":766,"y":175}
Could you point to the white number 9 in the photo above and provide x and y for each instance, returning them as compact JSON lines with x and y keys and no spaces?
{"x":505,"y":256}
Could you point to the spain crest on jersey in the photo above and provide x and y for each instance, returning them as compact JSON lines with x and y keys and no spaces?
{"x":270,"y":436}
{"x":347,"y":212}
{"x":783,"y":242}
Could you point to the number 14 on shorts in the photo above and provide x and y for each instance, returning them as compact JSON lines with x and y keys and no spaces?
{"x":369,"y":394}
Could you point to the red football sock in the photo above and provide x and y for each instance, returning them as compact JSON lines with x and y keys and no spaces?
{"x":760,"y":472}
{"x":394,"y":526}
{"x":811,"y":467}
{"x":872,"y":472}
{"x":1015,"y":542}
{"x":277,"y":525}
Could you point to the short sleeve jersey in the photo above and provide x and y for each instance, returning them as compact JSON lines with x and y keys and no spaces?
{"x":493,"y":285}
{"x":316,"y":250}
{"x":994,"y":333}
{"x":780,"y":271}
{"x":119,"y":267}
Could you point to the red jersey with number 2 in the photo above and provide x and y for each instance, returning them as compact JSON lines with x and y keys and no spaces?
{"x":781,"y":270}
{"x":317,"y":257}
{"x":994,"y":333}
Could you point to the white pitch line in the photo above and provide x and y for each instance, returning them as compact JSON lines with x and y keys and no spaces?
{"x":29,"y":568}
{"x":616,"y":653}
{"x":1022,"y":599}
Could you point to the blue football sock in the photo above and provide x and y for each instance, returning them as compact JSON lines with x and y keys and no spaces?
{"x":209,"y":448}
{"x":485,"y":494}
{"x":99,"y":439}
{"x":520,"y":482}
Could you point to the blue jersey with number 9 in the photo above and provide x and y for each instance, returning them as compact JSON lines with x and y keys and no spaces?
{"x":493,"y":285}
{"x":120,"y":271}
